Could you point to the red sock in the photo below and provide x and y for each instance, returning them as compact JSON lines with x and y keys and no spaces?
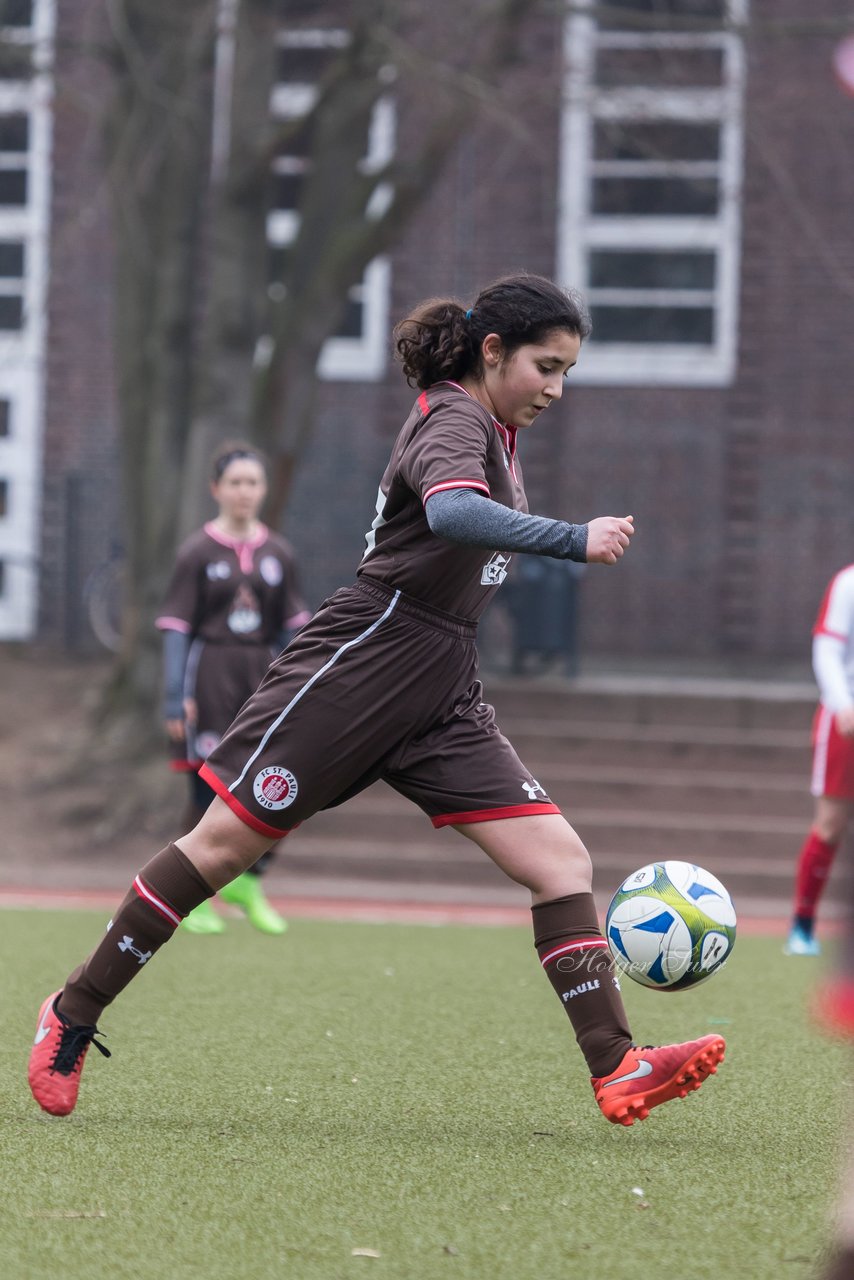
{"x":814,"y":863}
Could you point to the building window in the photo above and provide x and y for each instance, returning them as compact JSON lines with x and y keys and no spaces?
{"x":651,"y":171}
{"x":11,"y":284}
{"x":358,"y":350}
{"x":26,"y":52}
{"x":14,"y":158}
{"x":16,"y":13}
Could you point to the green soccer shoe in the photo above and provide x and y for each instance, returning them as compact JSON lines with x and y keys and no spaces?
{"x":247,"y":893}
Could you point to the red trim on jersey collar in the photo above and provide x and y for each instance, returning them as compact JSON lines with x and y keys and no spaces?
{"x":508,"y":433}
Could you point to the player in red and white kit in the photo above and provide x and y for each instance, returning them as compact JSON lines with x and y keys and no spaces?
{"x":833,"y":757}
{"x":382,"y":683}
{"x":232,"y":605}
{"x":833,"y":787}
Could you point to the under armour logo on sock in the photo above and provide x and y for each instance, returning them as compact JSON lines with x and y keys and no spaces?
{"x":126,"y":944}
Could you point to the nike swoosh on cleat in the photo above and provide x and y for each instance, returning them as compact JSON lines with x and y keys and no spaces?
{"x":642,"y":1069}
{"x":42,"y":1032}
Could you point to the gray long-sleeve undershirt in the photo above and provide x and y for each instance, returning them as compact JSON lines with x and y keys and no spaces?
{"x":462,"y":515}
{"x":176,"y":646}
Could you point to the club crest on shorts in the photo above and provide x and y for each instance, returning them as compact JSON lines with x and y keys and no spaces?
{"x":275,"y":787}
{"x":206,"y":742}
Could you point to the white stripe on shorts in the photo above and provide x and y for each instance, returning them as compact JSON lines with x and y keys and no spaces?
{"x":305,"y":688}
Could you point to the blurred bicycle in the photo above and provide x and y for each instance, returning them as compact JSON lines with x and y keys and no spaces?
{"x":103,"y":599}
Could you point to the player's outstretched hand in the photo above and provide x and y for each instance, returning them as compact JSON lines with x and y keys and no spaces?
{"x":608,"y":537}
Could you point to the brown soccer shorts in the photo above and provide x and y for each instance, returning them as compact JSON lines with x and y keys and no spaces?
{"x":375,"y":686}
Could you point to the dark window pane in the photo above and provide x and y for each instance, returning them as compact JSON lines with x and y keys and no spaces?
{"x":15,"y":61}
{"x":295,"y":139}
{"x":289,"y":11}
{"x":287,"y":190}
{"x":665,"y":68}
{"x":16,"y":13}
{"x":662,"y":15}
{"x":13,"y":186}
{"x":277,"y":261}
{"x":4,"y":498}
{"x":5,"y":419}
{"x":655,"y":140}
{"x":14,"y":133}
{"x":653,"y":324}
{"x":651,"y":269}
{"x":649,"y":197}
{"x":11,"y":312}
{"x":350,"y":325}
{"x":303,"y":66}
{"x":11,"y":259}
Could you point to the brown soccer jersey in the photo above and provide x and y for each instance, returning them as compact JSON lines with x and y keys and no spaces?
{"x":235,"y":600}
{"x":228,"y":592}
{"x":449,"y":441}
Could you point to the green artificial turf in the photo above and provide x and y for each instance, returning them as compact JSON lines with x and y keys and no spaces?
{"x":274,"y":1105}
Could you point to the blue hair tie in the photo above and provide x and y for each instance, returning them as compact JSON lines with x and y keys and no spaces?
{"x":468,"y":314}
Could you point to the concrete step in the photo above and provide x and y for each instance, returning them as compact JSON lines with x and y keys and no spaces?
{"x":449,"y":861}
{"x":740,"y":704}
{"x":643,"y":834}
{"x":673,"y":789}
{"x":656,"y":734}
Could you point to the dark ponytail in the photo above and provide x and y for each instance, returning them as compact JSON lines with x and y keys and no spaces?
{"x":441,"y":340}
{"x":434,"y":343}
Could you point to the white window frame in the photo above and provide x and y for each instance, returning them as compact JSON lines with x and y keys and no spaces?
{"x":352,"y":359}
{"x":22,"y":351}
{"x":580,"y":231}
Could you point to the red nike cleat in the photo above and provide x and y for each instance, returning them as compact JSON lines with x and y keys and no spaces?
{"x":833,"y":1007}
{"x":56,"y":1059}
{"x":649,"y":1076}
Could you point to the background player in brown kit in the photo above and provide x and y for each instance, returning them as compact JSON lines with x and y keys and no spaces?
{"x":383,"y":683}
{"x":232,"y":605}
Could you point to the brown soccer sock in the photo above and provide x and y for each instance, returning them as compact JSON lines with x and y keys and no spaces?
{"x":578,"y":964}
{"x":166,"y":889}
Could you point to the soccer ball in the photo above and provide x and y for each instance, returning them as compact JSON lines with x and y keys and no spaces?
{"x":670,"y":925}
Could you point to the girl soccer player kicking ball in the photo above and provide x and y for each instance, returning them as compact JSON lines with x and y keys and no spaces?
{"x":382,"y":683}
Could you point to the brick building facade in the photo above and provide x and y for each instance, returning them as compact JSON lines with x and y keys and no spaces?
{"x":734,"y":451}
